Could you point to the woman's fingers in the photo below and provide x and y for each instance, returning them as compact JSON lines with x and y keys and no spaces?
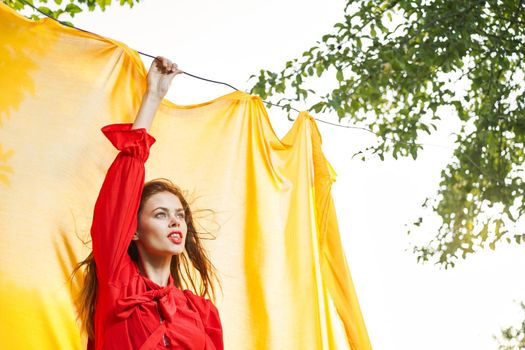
{"x":166,"y":66}
{"x":161,"y":63}
{"x":175,"y":69}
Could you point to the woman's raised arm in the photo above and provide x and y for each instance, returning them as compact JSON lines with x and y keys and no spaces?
{"x":115,"y":213}
{"x":160,"y":75}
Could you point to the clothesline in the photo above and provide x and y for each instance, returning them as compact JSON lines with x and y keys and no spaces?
{"x":268,"y":103}
{"x":198,"y":77}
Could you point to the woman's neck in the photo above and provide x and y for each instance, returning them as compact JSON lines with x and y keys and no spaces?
{"x":156,"y":268}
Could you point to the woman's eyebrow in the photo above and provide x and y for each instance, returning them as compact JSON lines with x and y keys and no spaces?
{"x":161,"y":208}
{"x":167,"y":210}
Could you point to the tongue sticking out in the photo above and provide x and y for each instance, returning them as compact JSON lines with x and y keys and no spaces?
{"x":176,"y":238}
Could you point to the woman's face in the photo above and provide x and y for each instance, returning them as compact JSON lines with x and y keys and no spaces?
{"x":162,"y":226}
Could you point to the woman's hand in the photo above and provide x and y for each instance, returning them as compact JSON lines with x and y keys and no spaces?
{"x":160,"y":75}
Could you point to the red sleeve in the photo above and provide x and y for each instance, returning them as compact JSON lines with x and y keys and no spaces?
{"x":115,"y":214}
{"x":210,"y":318}
{"x":213,"y":327}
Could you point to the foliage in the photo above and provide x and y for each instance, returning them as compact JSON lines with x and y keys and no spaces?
{"x":513,"y":338}
{"x":59,"y":7}
{"x":394,"y":64}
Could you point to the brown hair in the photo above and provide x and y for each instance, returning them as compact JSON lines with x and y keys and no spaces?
{"x":183,"y":274}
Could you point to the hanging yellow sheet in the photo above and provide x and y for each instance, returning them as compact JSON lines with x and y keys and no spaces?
{"x":286,"y":284}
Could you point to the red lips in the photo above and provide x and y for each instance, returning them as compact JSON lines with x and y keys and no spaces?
{"x":175,"y":237}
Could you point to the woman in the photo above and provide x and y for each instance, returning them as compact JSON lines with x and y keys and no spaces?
{"x":132,"y":297}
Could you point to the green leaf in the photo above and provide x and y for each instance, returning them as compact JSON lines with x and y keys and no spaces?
{"x":425,"y":128}
{"x":373,"y":32}
{"x":358,"y":42}
{"x":310,"y":71}
{"x":46,"y":10}
{"x":72,"y":9}
{"x":319,"y":69}
{"x":326,"y":37}
{"x":103,"y":3}
{"x":339,"y":75}
{"x":317,"y":107}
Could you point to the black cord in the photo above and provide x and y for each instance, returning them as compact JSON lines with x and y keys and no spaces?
{"x":211,"y":81}
{"x":191,"y":75}
{"x":288,"y":108}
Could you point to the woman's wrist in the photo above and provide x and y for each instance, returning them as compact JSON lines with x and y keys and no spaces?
{"x":148,"y":108}
{"x":152,"y":97}
{"x":159,"y":78}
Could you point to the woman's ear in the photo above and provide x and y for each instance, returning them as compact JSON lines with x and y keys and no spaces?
{"x":135,"y":236}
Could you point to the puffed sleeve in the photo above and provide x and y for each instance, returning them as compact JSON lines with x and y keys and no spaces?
{"x":115,"y":213}
{"x":210,"y":319}
{"x":213,"y":327}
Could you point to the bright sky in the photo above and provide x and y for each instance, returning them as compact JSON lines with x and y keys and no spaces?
{"x":406,"y":306}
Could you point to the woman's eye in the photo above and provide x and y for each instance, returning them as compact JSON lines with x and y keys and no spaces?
{"x":181,"y":216}
{"x":160,"y":215}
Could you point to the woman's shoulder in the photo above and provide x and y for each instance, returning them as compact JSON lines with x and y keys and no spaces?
{"x":206,"y":309}
{"x":196,"y":298}
{"x":203,"y":304}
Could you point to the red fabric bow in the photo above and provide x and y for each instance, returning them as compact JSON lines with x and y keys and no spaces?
{"x":165,"y":297}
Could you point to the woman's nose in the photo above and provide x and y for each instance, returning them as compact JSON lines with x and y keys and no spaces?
{"x":175,"y":221}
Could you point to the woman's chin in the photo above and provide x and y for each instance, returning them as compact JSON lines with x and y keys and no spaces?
{"x":177,"y":250}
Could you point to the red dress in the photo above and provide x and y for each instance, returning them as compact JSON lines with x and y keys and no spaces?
{"x":132,"y":312}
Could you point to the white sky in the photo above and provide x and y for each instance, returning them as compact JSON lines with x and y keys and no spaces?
{"x":406,"y":306}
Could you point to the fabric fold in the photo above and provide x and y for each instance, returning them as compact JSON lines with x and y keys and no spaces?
{"x":165,"y":297}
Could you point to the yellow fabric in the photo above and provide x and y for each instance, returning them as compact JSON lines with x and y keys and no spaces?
{"x":286,"y":284}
